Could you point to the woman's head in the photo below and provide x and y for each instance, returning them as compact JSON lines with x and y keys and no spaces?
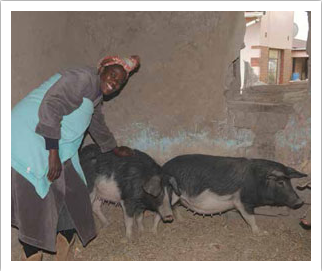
{"x":112,"y":78}
{"x":114,"y":72}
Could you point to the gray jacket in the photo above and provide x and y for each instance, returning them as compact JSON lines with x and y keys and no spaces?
{"x":65,"y":96}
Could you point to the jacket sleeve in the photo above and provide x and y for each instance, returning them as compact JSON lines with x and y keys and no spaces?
{"x":61,"y":99}
{"x":100,"y":132}
{"x":51,"y":143}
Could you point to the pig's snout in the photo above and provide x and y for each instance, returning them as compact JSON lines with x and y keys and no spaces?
{"x":168,"y":218}
{"x":164,"y":209}
{"x":298,"y":204}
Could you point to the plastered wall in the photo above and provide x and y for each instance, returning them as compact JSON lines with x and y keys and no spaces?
{"x":174,"y":104}
{"x":185,"y":97}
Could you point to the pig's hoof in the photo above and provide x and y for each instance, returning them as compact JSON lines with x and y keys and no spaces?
{"x":141,"y":230}
{"x":124,"y":240}
{"x":154,"y":231}
{"x":105,"y":224}
{"x":260,"y":233}
{"x":129,"y":235}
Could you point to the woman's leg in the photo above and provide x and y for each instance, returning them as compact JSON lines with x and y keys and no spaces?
{"x":30,"y":253}
{"x":68,"y":234}
{"x":65,"y":240}
{"x":29,"y":249}
{"x":31,"y":214}
{"x":65,"y":234}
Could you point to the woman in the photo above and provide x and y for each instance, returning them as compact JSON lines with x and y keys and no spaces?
{"x":49,"y":195}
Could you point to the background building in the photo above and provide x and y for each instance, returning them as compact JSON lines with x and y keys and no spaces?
{"x":299,"y":59}
{"x":270,"y":49}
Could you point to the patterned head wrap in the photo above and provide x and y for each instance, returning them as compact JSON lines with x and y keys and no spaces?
{"x":129,"y":64}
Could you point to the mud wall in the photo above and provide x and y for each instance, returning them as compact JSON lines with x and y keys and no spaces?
{"x":175,"y":103}
{"x":39,"y":47}
{"x":185,"y":97}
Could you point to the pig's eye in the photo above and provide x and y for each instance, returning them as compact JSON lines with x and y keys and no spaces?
{"x":280,"y":183}
{"x":271,"y":178}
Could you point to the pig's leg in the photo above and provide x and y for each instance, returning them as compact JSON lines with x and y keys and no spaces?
{"x":156,"y":221}
{"x":176,"y":213}
{"x":96,"y":207}
{"x":92,"y":196}
{"x":139,"y":221}
{"x":224,"y":219}
{"x":128,"y":221}
{"x":175,"y":204}
{"x":249,"y":218}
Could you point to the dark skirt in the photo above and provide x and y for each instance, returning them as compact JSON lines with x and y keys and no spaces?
{"x":66,"y":206}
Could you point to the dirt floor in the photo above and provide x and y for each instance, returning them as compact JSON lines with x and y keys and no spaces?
{"x":194,"y":238}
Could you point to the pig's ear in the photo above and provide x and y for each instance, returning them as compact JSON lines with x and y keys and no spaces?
{"x":292,"y":173}
{"x":174,"y":185}
{"x":153,"y":186}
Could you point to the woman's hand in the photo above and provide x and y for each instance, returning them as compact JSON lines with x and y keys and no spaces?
{"x":123,"y":151}
{"x":54,"y":163}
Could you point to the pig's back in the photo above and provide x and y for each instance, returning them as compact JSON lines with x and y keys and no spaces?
{"x":129,"y":172}
{"x":108,"y":163}
{"x":196,"y":173}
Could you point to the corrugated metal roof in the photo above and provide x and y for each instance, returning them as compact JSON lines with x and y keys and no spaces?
{"x":299,"y":44}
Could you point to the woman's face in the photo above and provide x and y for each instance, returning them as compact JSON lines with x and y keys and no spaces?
{"x":113,"y":79}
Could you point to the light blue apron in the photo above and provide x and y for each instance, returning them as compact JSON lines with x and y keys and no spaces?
{"x":29,"y":156}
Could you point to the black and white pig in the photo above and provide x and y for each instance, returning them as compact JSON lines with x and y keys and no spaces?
{"x":212,"y":184}
{"x":135,"y":182}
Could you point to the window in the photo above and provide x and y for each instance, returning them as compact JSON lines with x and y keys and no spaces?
{"x":273,"y":66}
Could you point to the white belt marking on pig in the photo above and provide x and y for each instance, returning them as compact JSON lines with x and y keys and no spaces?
{"x":106,"y":189}
{"x":209,"y":202}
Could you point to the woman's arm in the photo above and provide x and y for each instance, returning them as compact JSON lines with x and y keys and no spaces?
{"x":103,"y":136}
{"x":61,"y":99}
{"x":100,"y":132}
